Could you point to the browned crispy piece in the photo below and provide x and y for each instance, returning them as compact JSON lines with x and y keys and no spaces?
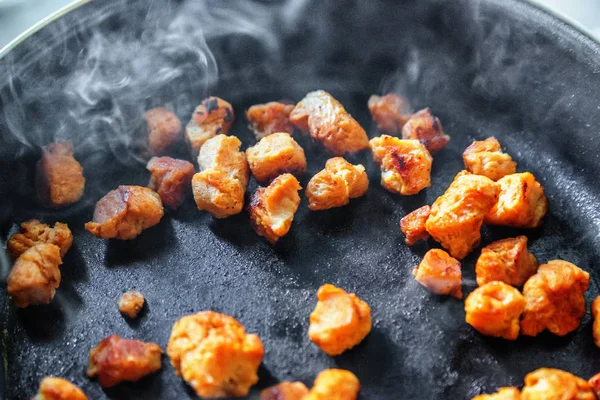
{"x":486,"y":158}
{"x":440,"y":273}
{"x":413,"y":225}
{"x":58,"y":389}
{"x":164,"y":130}
{"x":272,"y":208}
{"x":125,"y":212}
{"x":457,"y":215}
{"x":554,"y":384}
{"x":34,"y":232}
{"x":596,"y":327}
{"x":390,"y":112}
{"x":521,"y":203}
{"x":59,"y":176}
{"x":494,"y":309}
{"x":506,"y":260}
{"x":214,"y":354}
{"x":405,"y":164}
{"x":329,"y":123}
{"x":427,"y":129}
{"x":285,"y":391}
{"x":554,"y":299}
{"x":117,"y":360}
{"x":212,"y":117}
{"x":505,"y":393}
{"x":131,"y":303}
{"x":274,"y":155}
{"x":35,"y":276}
{"x":334,"y":384}
{"x":266,"y":119}
{"x":594,"y":382}
{"x":171,"y":179}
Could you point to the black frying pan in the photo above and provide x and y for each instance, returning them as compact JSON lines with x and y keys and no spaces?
{"x":493,"y":67}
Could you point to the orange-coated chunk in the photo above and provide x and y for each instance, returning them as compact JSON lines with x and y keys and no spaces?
{"x":457,"y":215}
{"x":214,"y":354}
{"x":285,"y":391}
{"x":34,"y":232}
{"x":506,"y":260}
{"x":171,"y":179}
{"x":274,"y":155}
{"x":596,"y":326}
{"x":521,"y":203}
{"x":334,"y":384}
{"x":328,"y":122}
{"x":413,"y":225}
{"x":390,"y":112}
{"x":272,"y":208}
{"x":505,"y":393}
{"x":212,"y":117}
{"x":554,"y":384}
{"x":131,"y":303}
{"x":164,"y":130}
{"x":59,"y":176}
{"x":440,"y":273}
{"x":335,"y":185}
{"x":58,"y":389}
{"x":427,"y":129}
{"x":554,"y":299}
{"x":594,"y":382}
{"x":405,"y":164}
{"x":494,"y":309}
{"x":340,"y":320}
{"x":266,"y":119}
{"x":486,"y":158}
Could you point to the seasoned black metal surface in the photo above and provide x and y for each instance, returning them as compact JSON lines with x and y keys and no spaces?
{"x":485,"y":68}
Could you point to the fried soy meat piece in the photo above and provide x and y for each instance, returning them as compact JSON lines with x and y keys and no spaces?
{"x":59,"y":176}
{"x":274,"y":155}
{"x":131,"y":303}
{"x":334,"y":384}
{"x":505,"y":393}
{"x":506,"y":260}
{"x":596,"y":327}
{"x":413,"y":225}
{"x":213,"y":353}
{"x":212,"y":117}
{"x":266,"y":119}
{"x":285,"y":391}
{"x":164,"y":130}
{"x":34,"y":232}
{"x":171,"y":179}
{"x":125,"y":212}
{"x":486,"y":158}
{"x":329,"y":123}
{"x":554,"y":384}
{"x":58,"y":389}
{"x":594,"y":382}
{"x":390,"y":112}
{"x":440,"y":273}
{"x":427,"y":129}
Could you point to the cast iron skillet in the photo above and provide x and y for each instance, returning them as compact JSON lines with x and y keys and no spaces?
{"x":494,"y":67}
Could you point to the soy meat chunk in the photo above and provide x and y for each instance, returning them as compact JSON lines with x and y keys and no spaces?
{"x":220,"y":185}
{"x":214,"y":354}
{"x":329,"y":123}
{"x":58,"y":389}
{"x":35,"y":276}
{"x":164,"y":130}
{"x":125,"y":212}
{"x":272,"y":208}
{"x":486,"y":158}
{"x":212,"y":117}
{"x":59,"y":176}
{"x":405,"y":164}
{"x":594,"y":382}
{"x":596,"y":326}
{"x":554,"y":299}
{"x":34,"y":232}
{"x":274,"y":155}
{"x":131,"y":303}
{"x":340,"y":320}
{"x":521,"y":203}
{"x":285,"y":391}
{"x":554,"y":384}
{"x":266,"y":119}
{"x":505,"y":393}
{"x":440,"y":273}
{"x":334,"y":384}
{"x":494,"y":309}
{"x":506,"y":260}
{"x":171,"y":179}
{"x":413,"y":225}
{"x":390,"y":112}
{"x":335,"y":185}
{"x":427,"y":129}
{"x":456,"y":216}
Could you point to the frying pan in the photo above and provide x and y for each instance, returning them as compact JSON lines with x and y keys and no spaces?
{"x":489,"y":67}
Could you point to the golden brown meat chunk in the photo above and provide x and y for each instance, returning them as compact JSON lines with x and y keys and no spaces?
{"x":427,"y":129}
{"x":413,"y":225}
{"x":272,"y":208}
{"x":59,"y":176}
{"x":285,"y":391}
{"x":335,"y":185}
{"x":125,"y":212}
{"x":58,"y":389}
{"x":594,"y":382}
{"x":171,"y":179}
{"x":405,"y":164}
{"x":334,"y":384}
{"x":596,"y":327}
{"x":554,"y":384}
{"x":505,"y":393}
{"x":440,"y":273}
{"x":164,"y":130}
{"x":35,"y":276}
{"x":521,"y":203}
{"x":274,"y":155}
{"x":212,"y":117}
{"x":131,"y":303}
{"x":494,"y":309}
{"x":486,"y":158}
{"x":329,"y":123}
{"x":340,"y":320}
{"x":554,"y":299}
{"x":34,"y":232}
{"x":266,"y":119}
{"x":220,"y":185}
{"x":457,"y":215}
{"x":506,"y":260}
{"x":390,"y":112}
{"x":117,"y":360}
{"x":214,"y":354}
